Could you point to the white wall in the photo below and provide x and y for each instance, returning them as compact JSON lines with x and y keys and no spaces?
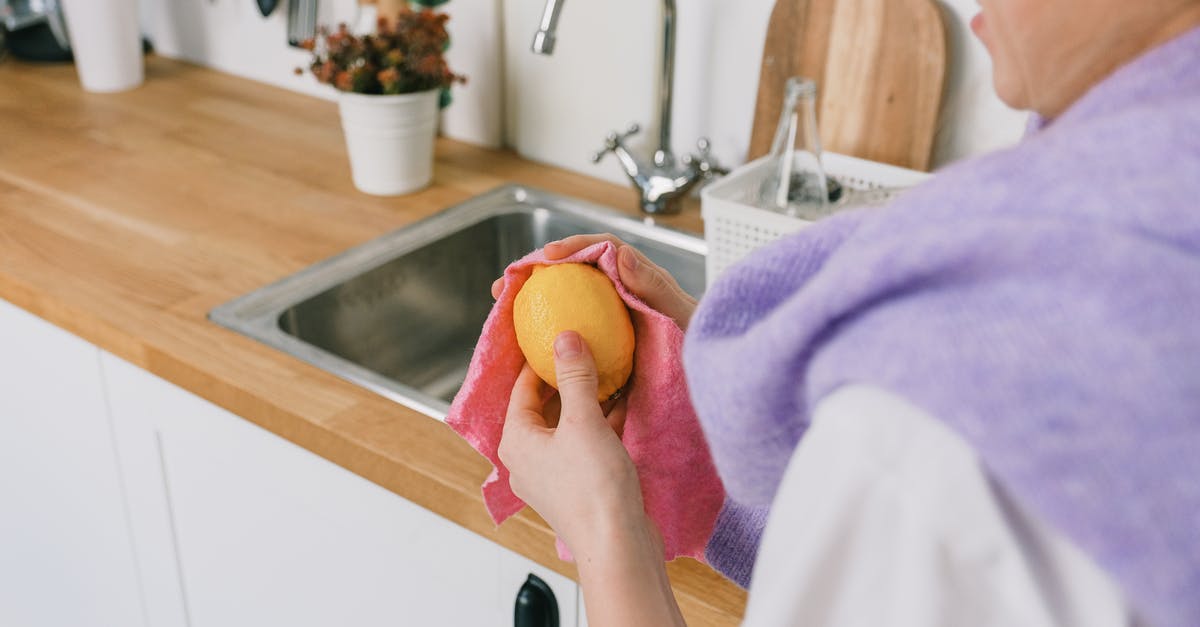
{"x":234,"y":37}
{"x":602,"y":76}
{"x":604,"y":73}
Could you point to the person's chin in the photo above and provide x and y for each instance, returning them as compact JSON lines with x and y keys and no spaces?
{"x":979,"y":27}
{"x":978,"y":22}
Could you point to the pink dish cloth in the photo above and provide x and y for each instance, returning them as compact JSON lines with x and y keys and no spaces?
{"x":682,"y":492}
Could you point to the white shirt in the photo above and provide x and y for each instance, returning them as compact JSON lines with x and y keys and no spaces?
{"x":886,"y":518}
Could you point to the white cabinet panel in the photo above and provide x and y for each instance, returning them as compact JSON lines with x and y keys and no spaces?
{"x":137,"y":411}
{"x":65,"y":553}
{"x":516,"y":568}
{"x":270,"y":534}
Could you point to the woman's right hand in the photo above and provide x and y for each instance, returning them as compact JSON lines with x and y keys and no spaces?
{"x":649,"y":282}
{"x":567,"y":462}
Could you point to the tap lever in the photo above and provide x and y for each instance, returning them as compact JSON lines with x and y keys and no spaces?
{"x":662,"y":180}
{"x":703,"y":162}
{"x":615,"y":140}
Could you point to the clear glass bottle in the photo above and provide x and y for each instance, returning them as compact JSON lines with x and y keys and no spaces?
{"x":796,"y":184}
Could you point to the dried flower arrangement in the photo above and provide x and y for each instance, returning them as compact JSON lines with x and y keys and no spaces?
{"x":403,"y":56}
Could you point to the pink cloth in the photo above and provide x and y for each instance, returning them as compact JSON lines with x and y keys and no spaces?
{"x":682,"y":492}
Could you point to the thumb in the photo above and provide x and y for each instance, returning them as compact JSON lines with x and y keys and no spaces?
{"x":575,"y":370}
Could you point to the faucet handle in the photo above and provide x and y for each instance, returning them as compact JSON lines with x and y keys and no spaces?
{"x":703,"y":162}
{"x":615,"y":140}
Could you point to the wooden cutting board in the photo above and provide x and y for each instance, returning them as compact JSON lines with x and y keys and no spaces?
{"x":880,"y":67}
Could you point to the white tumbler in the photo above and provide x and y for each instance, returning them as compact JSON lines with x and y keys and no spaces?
{"x":106,"y":40}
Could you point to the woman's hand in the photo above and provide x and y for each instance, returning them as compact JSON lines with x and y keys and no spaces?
{"x":655,"y":286}
{"x":574,"y":471}
{"x":564,"y":456}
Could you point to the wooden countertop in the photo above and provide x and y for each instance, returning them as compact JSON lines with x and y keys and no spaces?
{"x":125,"y":218}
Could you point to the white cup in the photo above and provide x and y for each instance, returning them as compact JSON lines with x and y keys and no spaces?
{"x":106,"y":40}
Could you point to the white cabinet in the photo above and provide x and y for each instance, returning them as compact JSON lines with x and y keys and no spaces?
{"x":65,"y":554}
{"x":239,"y":527}
{"x":125,"y":501}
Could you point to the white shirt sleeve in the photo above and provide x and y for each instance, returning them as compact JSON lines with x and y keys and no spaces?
{"x":885,"y":517}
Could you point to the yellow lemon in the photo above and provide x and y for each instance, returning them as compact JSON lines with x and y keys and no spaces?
{"x":575,"y":297}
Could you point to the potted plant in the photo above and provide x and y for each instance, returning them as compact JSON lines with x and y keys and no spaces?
{"x":390,"y":83}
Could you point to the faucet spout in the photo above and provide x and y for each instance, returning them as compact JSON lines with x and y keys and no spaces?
{"x":666,"y":89}
{"x":543,"y":40}
{"x":661,"y":181}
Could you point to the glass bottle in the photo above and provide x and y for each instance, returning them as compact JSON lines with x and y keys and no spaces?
{"x":796,"y":184}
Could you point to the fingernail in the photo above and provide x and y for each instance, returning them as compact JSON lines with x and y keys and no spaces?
{"x":629,"y":259}
{"x":567,"y":344}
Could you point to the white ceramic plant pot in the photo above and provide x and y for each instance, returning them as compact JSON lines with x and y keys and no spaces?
{"x":390,"y":140}
{"x":106,"y":40}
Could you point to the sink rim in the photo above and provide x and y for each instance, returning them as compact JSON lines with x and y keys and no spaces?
{"x":256,"y":314}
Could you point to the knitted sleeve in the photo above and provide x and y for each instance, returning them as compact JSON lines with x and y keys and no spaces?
{"x":759,"y":283}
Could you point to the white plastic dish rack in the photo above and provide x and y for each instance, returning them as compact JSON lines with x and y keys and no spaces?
{"x":733,"y":226}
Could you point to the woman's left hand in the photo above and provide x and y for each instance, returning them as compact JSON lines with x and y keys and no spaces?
{"x":646,"y":280}
{"x":570,"y":467}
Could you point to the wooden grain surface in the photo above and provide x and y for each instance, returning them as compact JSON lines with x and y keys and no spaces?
{"x":125,"y":218}
{"x":880,"y":67}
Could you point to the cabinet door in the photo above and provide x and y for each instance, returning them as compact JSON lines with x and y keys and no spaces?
{"x":65,"y":552}
{"x":515,"y":569}
{"x":266,"y":533}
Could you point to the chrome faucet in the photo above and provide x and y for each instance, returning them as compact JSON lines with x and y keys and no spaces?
{"x":662,"y":181}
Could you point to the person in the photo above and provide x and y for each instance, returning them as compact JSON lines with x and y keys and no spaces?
{"x":979,"y":405}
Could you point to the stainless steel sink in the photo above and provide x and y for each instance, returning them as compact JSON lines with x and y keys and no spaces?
{"x":401,"y":314}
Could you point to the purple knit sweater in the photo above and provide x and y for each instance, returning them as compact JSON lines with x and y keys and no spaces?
{"x":1043,"y":301}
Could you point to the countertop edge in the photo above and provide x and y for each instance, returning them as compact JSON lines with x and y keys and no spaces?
{"x":702,"y":593}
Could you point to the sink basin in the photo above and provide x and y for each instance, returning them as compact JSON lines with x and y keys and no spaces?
{"x":401,"y":314}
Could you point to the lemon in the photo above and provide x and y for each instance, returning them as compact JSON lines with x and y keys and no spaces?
{"x":575,"y":297}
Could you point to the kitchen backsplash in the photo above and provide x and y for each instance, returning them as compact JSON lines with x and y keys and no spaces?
{"x":602,"y":76}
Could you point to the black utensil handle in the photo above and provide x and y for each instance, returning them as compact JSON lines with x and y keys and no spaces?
{"x":536,"y":605}
{"x":266,"y":6}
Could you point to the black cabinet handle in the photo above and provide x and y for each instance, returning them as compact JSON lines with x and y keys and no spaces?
{"x":536,"y":605}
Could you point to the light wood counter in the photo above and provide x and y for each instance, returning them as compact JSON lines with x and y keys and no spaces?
{"x":125,"y":218}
